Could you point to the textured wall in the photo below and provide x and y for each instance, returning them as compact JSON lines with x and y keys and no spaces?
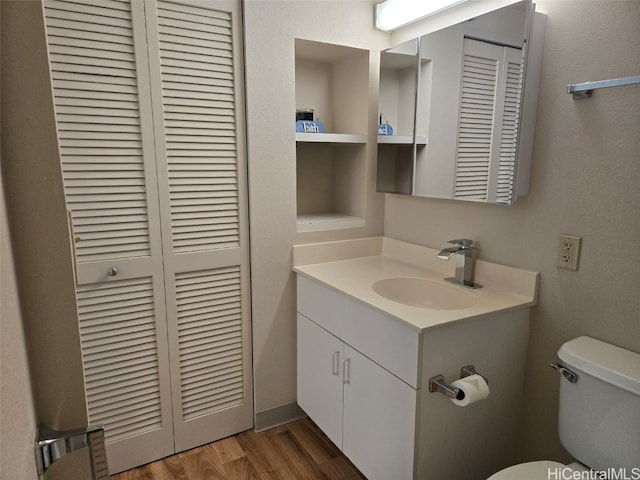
{"x":37,"y":214}
{"x":270,"y":30}
{"x":585,"y":178}
{"x":17,"y":416}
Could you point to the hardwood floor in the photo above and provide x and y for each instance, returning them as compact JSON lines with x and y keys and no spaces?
{"x":296,"y":451}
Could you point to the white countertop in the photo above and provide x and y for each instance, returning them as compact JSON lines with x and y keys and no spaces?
{"x":504,"y":288}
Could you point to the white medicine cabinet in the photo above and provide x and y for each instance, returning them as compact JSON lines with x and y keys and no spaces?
{"x":470,"y":95}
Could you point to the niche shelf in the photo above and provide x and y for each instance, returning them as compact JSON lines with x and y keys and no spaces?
{"x":401,"y":140}
{"x":333,"y":80}
{"x":330,"y":138}
{"x":397,"y":106}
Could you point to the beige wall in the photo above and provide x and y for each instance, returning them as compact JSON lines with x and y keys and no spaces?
{"x":270,"y":29}
{"x":17,"y":415}
{"x":37,"y":215}
{"x":585,"y":181}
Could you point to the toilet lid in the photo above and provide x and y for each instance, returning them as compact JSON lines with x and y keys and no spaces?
{"x":529,"y":471}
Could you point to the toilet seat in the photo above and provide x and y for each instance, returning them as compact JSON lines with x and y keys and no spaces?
{"x":530,"y":471}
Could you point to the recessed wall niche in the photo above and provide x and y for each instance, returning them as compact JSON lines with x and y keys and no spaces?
{"x":333,"y":82}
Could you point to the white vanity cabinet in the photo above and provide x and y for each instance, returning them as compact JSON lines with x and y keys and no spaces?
{"x":320,"y":377}
{"x":363,"y":378}
{"x":366,"y":410}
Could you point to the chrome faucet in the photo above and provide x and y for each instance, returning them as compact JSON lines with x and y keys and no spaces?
{"x":465,"y":254}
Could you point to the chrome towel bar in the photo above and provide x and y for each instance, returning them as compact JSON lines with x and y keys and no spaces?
{"x":585,"y":90}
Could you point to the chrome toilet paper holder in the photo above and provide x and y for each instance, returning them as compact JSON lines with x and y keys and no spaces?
{"x":437,"y":383}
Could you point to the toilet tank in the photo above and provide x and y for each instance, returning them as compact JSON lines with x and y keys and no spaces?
{"x":599,"y":416}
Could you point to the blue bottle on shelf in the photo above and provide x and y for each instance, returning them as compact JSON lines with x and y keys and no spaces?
{"x":384,"y":128}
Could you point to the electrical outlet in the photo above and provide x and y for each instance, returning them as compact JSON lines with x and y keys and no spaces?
{"x":569,"y":252}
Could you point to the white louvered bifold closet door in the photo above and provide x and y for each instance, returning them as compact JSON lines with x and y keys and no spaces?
{"x":198,"y":104}
{"x":488,"y":122}
{"x":97,"y":57}
{"x":149,"y":110}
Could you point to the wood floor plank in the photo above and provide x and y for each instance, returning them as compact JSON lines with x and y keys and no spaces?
{"x":340,"y":468}
{"x":280,"y":474}
{"x":316,"y":444}
{"x":261,"y":451}
{"x":240,"y":469}
{"x":228,"y":449}
{"x":295,"y":451}
{"x":170,"y":468}
{"x":203,"y":464}
{"x":295,"y":457}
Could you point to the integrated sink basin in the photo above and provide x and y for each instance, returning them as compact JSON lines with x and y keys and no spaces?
{"x":423,"y":293}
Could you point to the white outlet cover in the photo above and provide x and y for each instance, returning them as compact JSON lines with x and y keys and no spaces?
{"x":568,"y":252}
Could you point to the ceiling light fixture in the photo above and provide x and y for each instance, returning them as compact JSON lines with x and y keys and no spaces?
{"x":394,"y":14}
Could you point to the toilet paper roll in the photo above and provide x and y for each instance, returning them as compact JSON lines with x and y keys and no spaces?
{"x":474,"y":387}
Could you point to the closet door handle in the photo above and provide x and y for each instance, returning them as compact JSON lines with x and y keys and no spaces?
{"x":346,"y":368}
{"x":335,"y":366}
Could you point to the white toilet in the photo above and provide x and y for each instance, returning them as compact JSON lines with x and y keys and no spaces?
{"x":599,"y":416}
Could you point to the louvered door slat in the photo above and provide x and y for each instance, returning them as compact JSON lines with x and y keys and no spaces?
{"x":127,"y":101}
{"x":62,"y":35}
{"x":106,"y":9}
{"x":224,"y":324}
{"x":96,"y":219}
{"x":143,"y":380}
{"x":79,"y":170}
{"x":184,"y":11}
{"x":110,"y":4}
{"x":123,"y":325}
{"x":66,"y":53}
{"x":116,"y":376}
{"x":109,"y":49}
{"x":143,"y":399}
{"x":136,"y":393}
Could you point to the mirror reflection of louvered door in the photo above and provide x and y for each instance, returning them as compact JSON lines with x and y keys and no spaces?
{"x":149,"y":112}
{"x":488,"y":122}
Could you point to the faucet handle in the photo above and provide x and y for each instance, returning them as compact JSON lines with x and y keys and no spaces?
{"x":464,"y":243}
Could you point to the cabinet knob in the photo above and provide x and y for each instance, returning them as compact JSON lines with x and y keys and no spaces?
{"x":112,"y":272}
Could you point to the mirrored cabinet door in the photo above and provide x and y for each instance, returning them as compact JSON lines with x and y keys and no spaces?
{"x":472,"y":137}
{"x":396,"y":117}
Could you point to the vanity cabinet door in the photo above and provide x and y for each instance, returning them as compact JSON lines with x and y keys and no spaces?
{"x":379,"y":412}
{"x":320,"y":368}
